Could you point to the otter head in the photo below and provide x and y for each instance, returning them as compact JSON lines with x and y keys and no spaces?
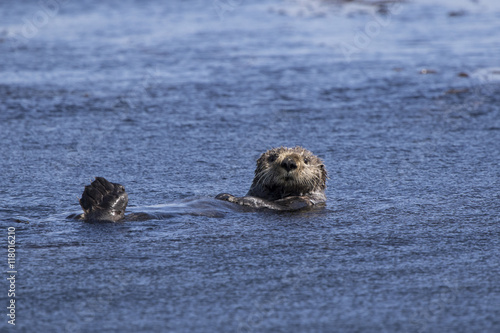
{"x":283,"y":172}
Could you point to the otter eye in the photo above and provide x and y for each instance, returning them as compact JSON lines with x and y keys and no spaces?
{"x":272,"y":158}
{"x":306,"y":160}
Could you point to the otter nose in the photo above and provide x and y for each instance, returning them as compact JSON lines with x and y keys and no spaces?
{"x":289,"y":164}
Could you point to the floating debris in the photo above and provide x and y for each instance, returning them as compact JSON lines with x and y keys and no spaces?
{"x":457,"y":13}
{"x":428,"y":71}
{"x":457,"y":91}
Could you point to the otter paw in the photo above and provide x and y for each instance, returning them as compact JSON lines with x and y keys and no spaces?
{"x":226,"y":197}
{"x":103,"y":200}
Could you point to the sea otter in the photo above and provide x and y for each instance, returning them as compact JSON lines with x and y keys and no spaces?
{"x":285,"y":179}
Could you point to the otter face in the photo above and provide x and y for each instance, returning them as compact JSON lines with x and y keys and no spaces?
{"x":283,"y":172}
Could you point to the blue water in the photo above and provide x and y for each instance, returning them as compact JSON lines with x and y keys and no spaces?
{"x":177,"y":100}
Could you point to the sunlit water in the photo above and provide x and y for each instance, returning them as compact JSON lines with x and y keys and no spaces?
{"x":176,"y":102}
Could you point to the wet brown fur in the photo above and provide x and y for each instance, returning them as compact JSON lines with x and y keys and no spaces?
{"x":285,"y":172}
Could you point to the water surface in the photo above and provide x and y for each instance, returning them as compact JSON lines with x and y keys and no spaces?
{"x":177,"y":100}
